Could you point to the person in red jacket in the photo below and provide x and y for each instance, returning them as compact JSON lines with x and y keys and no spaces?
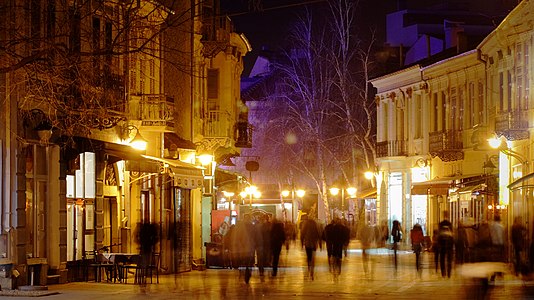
{"x":417,"y":237}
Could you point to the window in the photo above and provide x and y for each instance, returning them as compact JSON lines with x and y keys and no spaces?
{"x":501,"y":91}
{"x":435,"y":112}
{"x":472,"y":116}
{"x":509,"y":91}
{"x":480,"y":102}
{"x":213,"y":83}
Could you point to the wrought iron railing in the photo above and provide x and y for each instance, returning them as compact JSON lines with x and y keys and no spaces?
{"x":447,"y":145}
{"x":391,"y":148}
{"x":155,"y":110}
{"x":512,"y":124}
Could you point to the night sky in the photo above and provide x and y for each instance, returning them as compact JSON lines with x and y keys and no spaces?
{"x":268,"y":24}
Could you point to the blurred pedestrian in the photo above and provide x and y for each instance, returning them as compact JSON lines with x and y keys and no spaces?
{"x":278,"y":238}
{"x":384,"y":234}
{"x":367,"y":239}
{"x":435,"y":249}
{"x":147,"y":237}
{"x":310,"y":239}
{"x":417,"y":237}
{"x":518,"y":241}
{"x":461,"y":243}
{"x":336,"y":235}
{"x":497,"y":239}
{"x":446,"y":245}
{"x":396,"y":234}
{"x":262,"y":243}
{"x":243,"y":246}
{"x":290,"y":232}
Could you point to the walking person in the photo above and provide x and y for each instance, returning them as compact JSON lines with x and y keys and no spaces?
{"x":336,"y":235}
{"x":435,"y":249}
{"x":446,"y":245}
{"x":278,"y":238}
{"x":417,"y":237}
{"x":518,"y":242}
{"x":243,"y":245}
{"x":367,"y":238}
{"x":310,"y":239}
{"x":396,"y":233}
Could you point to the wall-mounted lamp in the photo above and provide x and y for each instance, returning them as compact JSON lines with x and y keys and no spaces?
{"x":503,"y":145}
{"x":205,"y":159}
{"x":138,"y":142}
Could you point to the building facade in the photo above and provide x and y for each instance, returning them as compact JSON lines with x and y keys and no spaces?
{"x":434,"y":122}
{"x":80,"y":84}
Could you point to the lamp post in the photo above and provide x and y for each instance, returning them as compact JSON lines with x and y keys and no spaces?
{"x":250,"y":191}
{"x":351,"y":191}
{"x":300,"y":193}
{"x":504,"y":146}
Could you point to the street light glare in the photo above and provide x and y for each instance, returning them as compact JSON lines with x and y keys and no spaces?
{"x":368,"y":175}
{"x":334,"y":191}
{"x":351,"y":191}
{"x":301,"y":193}
{"x":285,"y":193}
{"x":494,"y":142}
{"x":205,"y":159}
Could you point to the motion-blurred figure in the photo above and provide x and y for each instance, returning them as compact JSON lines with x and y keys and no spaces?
{"x":310,"y":239}
{"x":336,"y":235}
{"x":446,"y":245}
{"x":242,"y":245}
{"x":417,"y":237}
{"x":518,"y":242}
{"x":396,"y":233}
{"x":367,"y":238}
{"x":278,"y":238}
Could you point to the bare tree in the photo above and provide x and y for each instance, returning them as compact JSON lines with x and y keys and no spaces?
{"x":319,"y":123}
{"x":77,"y":60}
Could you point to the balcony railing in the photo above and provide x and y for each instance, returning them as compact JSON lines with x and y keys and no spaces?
{"x":512,"y":124}
{"x":218,"y":124}
{"x":447,"y":145}
{"x":391,"y":148}
{"x":155,"y":110}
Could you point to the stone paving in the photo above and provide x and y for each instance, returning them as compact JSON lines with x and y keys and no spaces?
{"x":353,"y":283}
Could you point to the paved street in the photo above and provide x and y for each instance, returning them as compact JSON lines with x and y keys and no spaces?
{"x":292,"y":283}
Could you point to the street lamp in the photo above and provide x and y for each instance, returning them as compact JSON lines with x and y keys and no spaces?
{"x":138,"y":142}
{"x":250,"y":191}
{"x":298,"y":193}
{"x":351,"y":191}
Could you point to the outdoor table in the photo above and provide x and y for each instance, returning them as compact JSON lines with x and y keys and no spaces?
{"x":119,"y":260}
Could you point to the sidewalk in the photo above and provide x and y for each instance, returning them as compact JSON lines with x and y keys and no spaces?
{"x":381,"y":282}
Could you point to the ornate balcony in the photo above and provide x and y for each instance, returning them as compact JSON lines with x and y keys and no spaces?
{"x":154,"y":111}
{"x":391,"y":148}
{"x":447,"y":145}
{"x":512,"y":124}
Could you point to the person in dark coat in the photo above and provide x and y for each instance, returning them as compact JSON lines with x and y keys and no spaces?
{"x":336,"y":236}
{"x":396,"y":234}
{"x":310,"y":239}
{"x":446,"y":245}
{"x":243,"y":245}
{"x":518,"y":242}
{"x":278,"y":238}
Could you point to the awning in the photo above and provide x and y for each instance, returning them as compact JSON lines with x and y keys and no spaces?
{"x":185,"y":175}
{"x":431,"y":187}
{"x":227,"y":180}
{"x":367,"y":194}
{"x":465,"y":193}
{"x":520,"y":182}
{"x":438,"y":186}
{"x":171,"y":138}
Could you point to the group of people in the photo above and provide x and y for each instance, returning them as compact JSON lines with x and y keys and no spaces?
{"x":255,"y":241}
{"x":259,"y":241}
